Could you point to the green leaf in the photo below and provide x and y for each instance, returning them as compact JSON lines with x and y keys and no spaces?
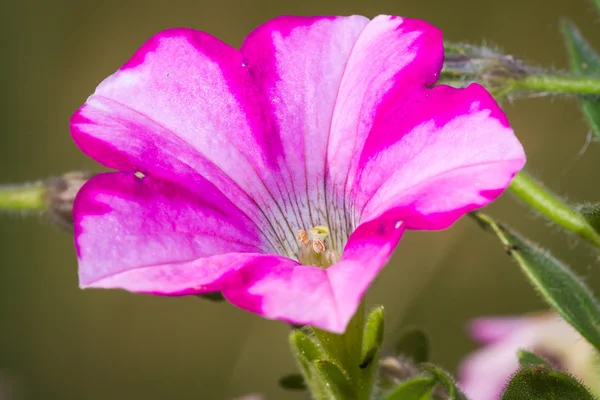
{"x":415,"y":389}
{"x":333,"y":380}
{"x":586,"y":62}
{"x":556,"y":283}
{"x":544,"y":383}
{"x":528,"y":359}
{"x":292,"y":382}
{"x":414,"y":345}
{"x":445,"y":380}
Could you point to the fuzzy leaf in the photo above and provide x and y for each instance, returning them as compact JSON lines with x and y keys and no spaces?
{"x":556,"y":283}
{"x":584,"y":61}
{"x":544,"y":383}
{"x":413,"y":345}
{"x":415,"y":389}
{"x":528,"y":359}
{"x":591,"y":213}
{"x":446,"y":381}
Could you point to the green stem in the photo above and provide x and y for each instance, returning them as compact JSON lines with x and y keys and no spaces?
{"x":535,"y":195}
{"x":30,"y":197}
{"x":559,"y":84}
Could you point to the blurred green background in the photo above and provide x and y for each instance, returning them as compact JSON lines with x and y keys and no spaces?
{"x":58,"y":342}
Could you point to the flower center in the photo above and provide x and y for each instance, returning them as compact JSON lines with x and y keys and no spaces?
{"x":316,"y":249}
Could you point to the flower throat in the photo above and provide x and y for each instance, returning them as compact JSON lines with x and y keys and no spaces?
{"x":315,"y":248}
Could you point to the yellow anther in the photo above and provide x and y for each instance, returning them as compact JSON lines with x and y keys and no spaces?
{"x":303,"y":236}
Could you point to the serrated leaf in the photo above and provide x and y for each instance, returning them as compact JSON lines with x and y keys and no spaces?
{"x":415,"y":389}
{"x":446,"y":381}
{"x":584,"y":61}
{"x":528,"y":359}
{"x":333,"y":380}
{"x":413,"y":345}
{"x":544,"y":383}
{"x":292,"y":382}
{"x":556,"y":283}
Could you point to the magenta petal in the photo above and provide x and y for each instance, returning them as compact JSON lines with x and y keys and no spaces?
{"x":255,"y":122}
{"x":452,"y":152}
{"x":391,"y":53}
{"x":279,"y":288}
{"x":484,"y":373}
{"x":151,"y":236}
{"x":494,"y":329}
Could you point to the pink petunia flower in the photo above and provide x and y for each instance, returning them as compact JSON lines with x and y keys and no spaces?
{"x":484,"y":373}
{"x":284,"y":173}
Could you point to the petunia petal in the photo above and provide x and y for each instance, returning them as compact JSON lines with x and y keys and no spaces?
{"x":494,"y":329}
{"x":484,"y":373}
{"x":391,"y":53}
{"x":146,"y":235}
{"x":453,"y":152}
{"x":325,"y":298}
{"x":187,"y":107}
{"x":429,"y":154}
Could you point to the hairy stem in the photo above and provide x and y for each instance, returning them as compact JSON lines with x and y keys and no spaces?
{"x":559,"y":84}
{"x":534,"y":194}
{"x":23,"y":198}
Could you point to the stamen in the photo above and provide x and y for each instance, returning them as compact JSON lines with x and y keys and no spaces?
{"x":314,"y":249}
{"x":303,"y":236}
{"x":318,"y":246}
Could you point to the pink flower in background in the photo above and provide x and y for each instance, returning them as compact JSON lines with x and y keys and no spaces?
{"x":284,"y":173}
{"x":484,"y":373}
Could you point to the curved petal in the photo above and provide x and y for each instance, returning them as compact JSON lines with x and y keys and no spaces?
{"x":187,"y":108}
{"x":279,"y":288}
{"x":484,"y":374}
{"x":146,"y":235}
{"x":494,"y":329}
{"x":392,"y":53}
{"x":429,"y":154}
{"x":453,"y":152}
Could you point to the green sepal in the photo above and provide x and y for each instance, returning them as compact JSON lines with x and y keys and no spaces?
{"x":584,"y":61}
{"x":372,"y":337}
{"x":305,"y":348}
{"x":566,"y":293}
{"x":528,"y":359}
{"x":544,"y":383}
{"x":445,"y":380}
{"x":334,"y":382}
{"x":415,"y":389}
{"x":413,"y":345}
